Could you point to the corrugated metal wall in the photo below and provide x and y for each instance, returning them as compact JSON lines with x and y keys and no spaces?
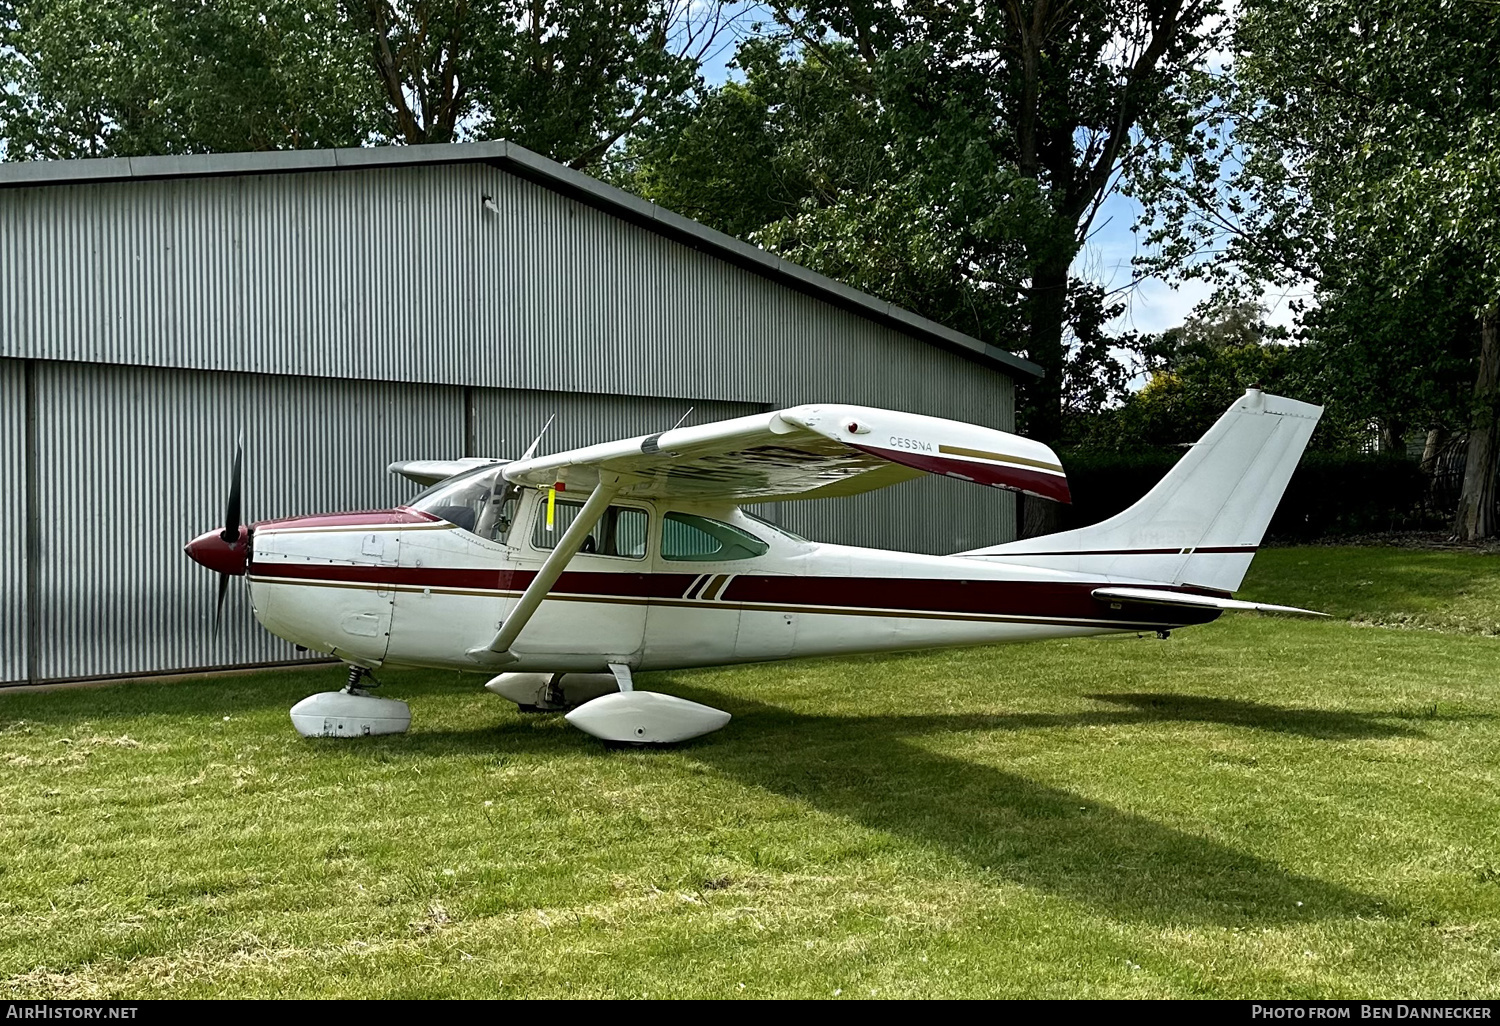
{"x":507,"y":420}
{"x":133,"y":462}
{"x":403,"y":274}
{"x":13,"y":621}
{"x":366,"y":316}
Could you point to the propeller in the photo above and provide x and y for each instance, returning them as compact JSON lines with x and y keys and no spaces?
{"x":226,"y":550}
{"x":231,"y":533}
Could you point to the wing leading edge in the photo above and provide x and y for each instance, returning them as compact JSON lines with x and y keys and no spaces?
{"x":807,"y":452}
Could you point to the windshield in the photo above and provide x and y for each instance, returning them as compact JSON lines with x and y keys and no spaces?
{"x":477,"y":501}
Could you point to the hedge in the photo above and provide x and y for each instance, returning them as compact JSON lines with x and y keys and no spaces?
{"x":1329,"y":494}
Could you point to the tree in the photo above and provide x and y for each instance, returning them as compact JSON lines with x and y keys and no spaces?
{"x":1370,"y":167}
{"x":1195,"y":371}
{"x":977,"y":142}
{"x":93,"y":78}
{"x":129,"y":77}
{"x":566,"y":78}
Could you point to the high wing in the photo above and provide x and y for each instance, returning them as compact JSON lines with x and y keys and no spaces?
{"x":1155,"y":597}
{"x":807,"y":452}
{"x":429,"y":472}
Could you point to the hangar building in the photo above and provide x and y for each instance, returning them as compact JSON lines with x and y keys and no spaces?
{"x":347,"y":308}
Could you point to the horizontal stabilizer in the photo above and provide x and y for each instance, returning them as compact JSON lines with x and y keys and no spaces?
{"x":1161,"y":597}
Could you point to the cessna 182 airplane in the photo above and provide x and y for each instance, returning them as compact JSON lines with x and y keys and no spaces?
{"x":568,"y":573}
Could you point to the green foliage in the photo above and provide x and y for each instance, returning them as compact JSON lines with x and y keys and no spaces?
{"x":1331,"y":494}
{"x":947,"y":157}
{"x":1256,"y":808}
{"x":565,"y":78}
{"x":1103,"y":482}
{"x":808,"y":158}
{"x":92,"y":78}
{"x":1199,"y":368}
{"x":1181,"y":402}
{"x":132,"y":77}
{"x":1368,"y":167}
{"x":1404,"y":363}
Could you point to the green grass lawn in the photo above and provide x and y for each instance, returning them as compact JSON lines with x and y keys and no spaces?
{"x":1259,"y":807}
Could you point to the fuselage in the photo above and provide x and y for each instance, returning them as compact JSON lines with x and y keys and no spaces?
{"x":418,"y":587}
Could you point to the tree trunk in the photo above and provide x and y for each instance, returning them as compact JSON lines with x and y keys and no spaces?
{"x":1392,"y":437}
{"x":1437,"y":436}
{"x":1049,"y":308}
{"x":1037,"y":516}
{"x":1049,"y":304}
{"x":1476,"y":501}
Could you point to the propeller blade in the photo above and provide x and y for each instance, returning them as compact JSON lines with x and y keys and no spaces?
{"x":219,"y":609}
{"x":231,"y":531}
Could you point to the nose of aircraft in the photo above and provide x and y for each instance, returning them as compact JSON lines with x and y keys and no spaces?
{"x":220,"y":556}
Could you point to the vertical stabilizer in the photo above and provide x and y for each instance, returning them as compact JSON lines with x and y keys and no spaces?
{"x":1202,"y":523}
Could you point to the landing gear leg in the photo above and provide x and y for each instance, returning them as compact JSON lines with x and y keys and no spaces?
{"x":552,"y":698}
{"x":357,"y":674}
{"x":551,"y":692}
{"x":622,"y":676}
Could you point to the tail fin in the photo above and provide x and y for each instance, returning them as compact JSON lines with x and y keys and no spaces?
{"x":1202,"y":523}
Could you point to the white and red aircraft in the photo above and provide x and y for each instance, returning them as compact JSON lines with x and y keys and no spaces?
{"x":572,"y":571}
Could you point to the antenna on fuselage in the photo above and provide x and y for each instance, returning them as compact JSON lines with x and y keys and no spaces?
{"x":531,"y":449}
{"x":682,"y":418}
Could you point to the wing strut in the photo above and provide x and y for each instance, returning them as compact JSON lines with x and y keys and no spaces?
{"x":498,"y":650}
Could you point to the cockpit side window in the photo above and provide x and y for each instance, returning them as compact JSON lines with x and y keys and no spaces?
{"x":620,"y":532}
{"x":693,"y":539}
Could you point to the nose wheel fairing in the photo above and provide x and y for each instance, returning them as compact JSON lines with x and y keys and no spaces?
{"x":346,"y":714}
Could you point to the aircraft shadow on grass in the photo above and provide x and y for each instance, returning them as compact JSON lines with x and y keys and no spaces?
{"x":873,"y":770}
{"x":1048,"y":838}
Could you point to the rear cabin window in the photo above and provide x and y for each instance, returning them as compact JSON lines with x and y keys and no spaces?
{"x":691,"y":539}
{"x":620,"y":532}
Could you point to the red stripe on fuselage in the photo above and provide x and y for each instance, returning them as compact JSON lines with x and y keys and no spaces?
{"x":1039,"y":599}
{"x":574,"y":583}
{"x":1014,"y":598}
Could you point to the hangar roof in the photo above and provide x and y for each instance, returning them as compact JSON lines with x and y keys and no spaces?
{"x":550,"y":174}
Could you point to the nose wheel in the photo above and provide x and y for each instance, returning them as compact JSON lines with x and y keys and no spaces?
{"x":352,"y":712}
